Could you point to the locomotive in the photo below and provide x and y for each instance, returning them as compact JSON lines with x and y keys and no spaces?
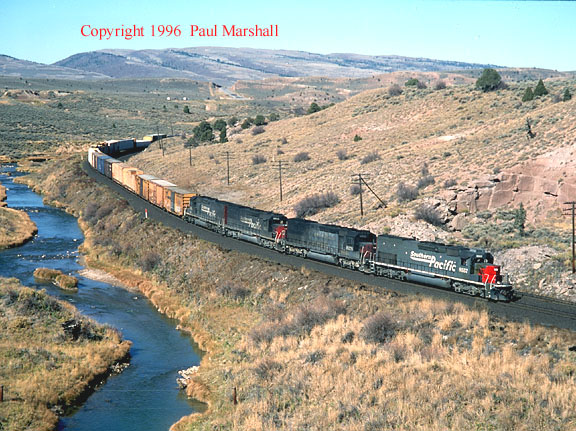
{"x":465,"y":270}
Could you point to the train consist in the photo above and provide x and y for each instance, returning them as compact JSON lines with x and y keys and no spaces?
{"x":467,"y":270}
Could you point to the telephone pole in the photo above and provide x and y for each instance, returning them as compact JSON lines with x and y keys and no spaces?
{"x":228,"y":167}
{"x":279,"y":162}
{"x":359,"y":181}
{"x":571,"y":212}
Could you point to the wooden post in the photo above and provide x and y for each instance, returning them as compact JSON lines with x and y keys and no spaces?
{"x":1,"y":393}
{"x":234,"y":397}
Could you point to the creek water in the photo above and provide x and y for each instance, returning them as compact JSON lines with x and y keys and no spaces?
{"x":145,"y":396}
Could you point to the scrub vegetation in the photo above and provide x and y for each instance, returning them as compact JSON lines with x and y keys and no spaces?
{"x":308,"y":351}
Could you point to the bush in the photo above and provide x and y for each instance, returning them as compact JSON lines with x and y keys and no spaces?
{"x":247,"y":123}
{"x":186,"y":109}
{"x":425,"y":181}
{"x":307,"y":316}
{"x":258,"y":159}
{"x":342,"y":155}
{"x":394,"y":90}
{"x":257,"y":130}
{"x":490,"y":80}
{"x":273,"y":117}
{"x":370,"y":158}
{"x":259,"y":120}
{"x":567,"y":95}
{"x":301,"y":157}
{"x":429,"y":214}
{"x":355,"y":189}
{"x":406,"y":193}
{"x":440,"y":85}
{"x":451,"y":182}
{"x":311,"y":205}
{"x":357,"y":138}
{"x":412,"y":82}
{"x":149,"y":261}
{"x":378,"y":328}
{"x":234,"y":291}
{"x":313,"y":108}
{"x":283,"y":141}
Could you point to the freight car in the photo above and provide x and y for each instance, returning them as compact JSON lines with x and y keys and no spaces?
{"x":466,"y":270}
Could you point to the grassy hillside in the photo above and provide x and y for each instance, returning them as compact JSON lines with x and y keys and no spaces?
{"x":444,"y":145}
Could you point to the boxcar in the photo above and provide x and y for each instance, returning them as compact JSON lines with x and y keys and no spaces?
{"x":177,"y":199}
{"x":142,"y":184}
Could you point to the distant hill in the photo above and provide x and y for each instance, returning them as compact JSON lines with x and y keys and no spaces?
{"x":10,"y":66}
{"x":228,"y":65}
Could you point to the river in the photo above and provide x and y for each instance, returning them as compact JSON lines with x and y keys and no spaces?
{"x":143,"y":397}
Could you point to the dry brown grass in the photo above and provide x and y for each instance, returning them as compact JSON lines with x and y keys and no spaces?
{"x":41,"y":367}
{"x":2,"y":196}
{"x":15,"y":228}
{"x":63,"y":281}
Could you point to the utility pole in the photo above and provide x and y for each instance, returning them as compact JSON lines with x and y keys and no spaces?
{"x":280,"y":176}
{"x":228,"y":167}
{"x":572,"y":210}
{"x":359,"y":181}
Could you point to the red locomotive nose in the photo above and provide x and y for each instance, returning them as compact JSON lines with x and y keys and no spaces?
{"x":281,"y":232}
{"x":490,"y":274}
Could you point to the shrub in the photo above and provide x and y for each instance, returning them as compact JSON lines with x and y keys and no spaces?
{"x":311,"y":205}
{"x":429,"y":214}
{"x":451,"y":182}
{"x":425,"y":181}
{"x":355,"y":189}
{"x":186,"y":109}
{"x":373,"y":156}
{"x":342,"y":155}
{"x":301,"y":157}
{"x":357,"y":138}
{"x":394,"y":90}
{"x":307,"y":316}
{"x":149,"y":261}
{"x":440,"y":85}
{"x":279,"y":152}
{"x":232,"y":121}
{"x":234,"y":291}
{"x":266,"y":367}
{"x":490,"y":80}
{"x":259,"y":120}
{"x":283,"y":141}
{"x":246,"y":123}
{"x":274,"y":117}
{"x":406,"y":193}
{"x":378,"y":328}
{"x":314,"y":107}
{"x":412,"y":82}
{"x":257,"y":130}
{"x":258,"y":159}
{"x":567,"y":95}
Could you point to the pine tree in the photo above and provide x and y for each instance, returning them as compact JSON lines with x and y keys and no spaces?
{"x":540,"y":90}
{"x":313,"y":108}
{"x":490,"y":80}
{"x":528,"y":95}
{"x":567,"y":95}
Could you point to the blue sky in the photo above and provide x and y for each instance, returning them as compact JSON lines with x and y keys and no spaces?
{"x":509,"y":33}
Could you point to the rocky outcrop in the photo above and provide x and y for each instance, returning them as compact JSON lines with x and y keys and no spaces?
{"x":542,"y":185}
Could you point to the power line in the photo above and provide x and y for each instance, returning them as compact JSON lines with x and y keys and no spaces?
{"x":359,"y":181}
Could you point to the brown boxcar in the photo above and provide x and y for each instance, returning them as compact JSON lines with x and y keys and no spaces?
{"x":177,"y":199}
{"x":156,"y":193}
{"x":129,"y":176}
{"x":117,"y":172}
{"x":143,"y":184}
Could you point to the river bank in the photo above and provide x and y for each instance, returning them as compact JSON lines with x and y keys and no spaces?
{"x":47,"y":370}
{"x":301,"y":349}
{"x":15,"y":226}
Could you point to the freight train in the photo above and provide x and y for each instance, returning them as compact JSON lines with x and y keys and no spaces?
{"x":467,"y":270}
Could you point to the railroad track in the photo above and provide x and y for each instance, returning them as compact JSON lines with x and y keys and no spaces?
{"x":533,"y":308}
